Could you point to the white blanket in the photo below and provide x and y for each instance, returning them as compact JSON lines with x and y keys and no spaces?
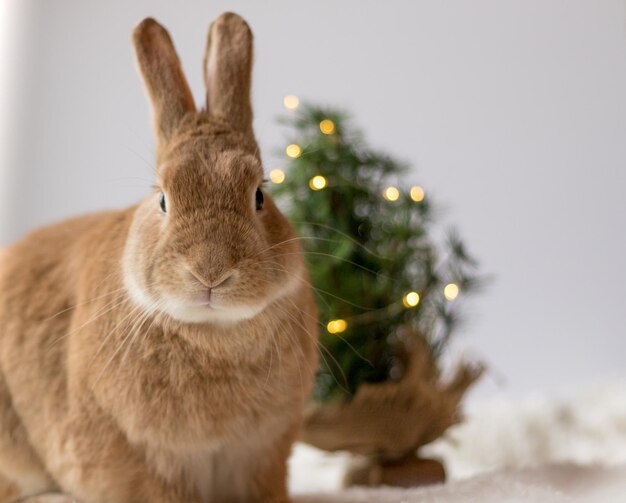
{"x":553,"y":484}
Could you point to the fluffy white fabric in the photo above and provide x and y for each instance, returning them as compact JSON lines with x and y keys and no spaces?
{"x":508,"y":450}
{"x":555,"y":484}
{"x":588,"y":427}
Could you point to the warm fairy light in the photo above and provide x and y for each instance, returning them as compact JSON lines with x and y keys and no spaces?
{"x":327,"y":126}
{"x":417,"y":193}
{"x":451,"y":291}
{"x":277,"y":176}
{"x":317,"y":182}
{"x":291,"y":102}
{"x":336,"y":326}
{"x":293,"y":150}
{"x":411,"y":299}
{"x":391,"y":193}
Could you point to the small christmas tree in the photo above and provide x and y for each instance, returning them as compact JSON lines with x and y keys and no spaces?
{"x":388,"y":292}
{"x":381,"y":276}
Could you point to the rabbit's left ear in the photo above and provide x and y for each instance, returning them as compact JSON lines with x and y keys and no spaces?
{"x":163,"y":75}
{"x":228,"y":71}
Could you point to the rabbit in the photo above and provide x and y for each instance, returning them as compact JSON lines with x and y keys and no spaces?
{"x":163,"y":353}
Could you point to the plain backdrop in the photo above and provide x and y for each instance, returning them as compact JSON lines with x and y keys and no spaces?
{"x":512,"y":113}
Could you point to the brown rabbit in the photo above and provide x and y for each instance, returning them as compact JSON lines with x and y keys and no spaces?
{"x":163,"y":353}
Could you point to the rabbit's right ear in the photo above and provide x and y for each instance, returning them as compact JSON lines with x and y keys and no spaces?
{"x":162,"y":73}
{"x":228,"y":71}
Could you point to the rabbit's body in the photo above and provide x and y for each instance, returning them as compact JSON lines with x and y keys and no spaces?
{"x":165,"y":355}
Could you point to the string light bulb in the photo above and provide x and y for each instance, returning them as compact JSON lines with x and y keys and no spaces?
{"x":277,"y":175}
{"x":417,"y":193}
{"x":327,"y":126}
{"x":291,"y":102}
{"x":411,"y":299}
{"x":336,"y":326}
{"x":318,"y":182}
{"x":391,"y":193}
{"x":294,"y":151}
{"x":451,"y":291}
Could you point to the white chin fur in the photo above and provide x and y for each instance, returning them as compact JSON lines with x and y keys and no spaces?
{"x":188,"y":313}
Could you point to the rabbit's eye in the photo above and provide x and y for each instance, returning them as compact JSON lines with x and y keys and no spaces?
{"x":162,"y":203}
{"x":259,"y":199}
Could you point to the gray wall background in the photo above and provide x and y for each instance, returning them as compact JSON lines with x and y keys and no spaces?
{"x":513,"y":114}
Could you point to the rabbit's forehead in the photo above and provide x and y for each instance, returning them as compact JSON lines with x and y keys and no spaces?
{"x":192,"y":169}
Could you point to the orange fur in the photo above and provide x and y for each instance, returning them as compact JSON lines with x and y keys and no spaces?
{"x":163,"y":357}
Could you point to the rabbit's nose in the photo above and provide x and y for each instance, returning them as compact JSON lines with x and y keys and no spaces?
{"x":221,"y":282}
{"x":224,"y":280}
{"x":213,"y":280}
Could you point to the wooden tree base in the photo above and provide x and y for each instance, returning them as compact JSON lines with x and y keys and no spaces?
{"x":410,"y":471}
{"x":392,"y":419}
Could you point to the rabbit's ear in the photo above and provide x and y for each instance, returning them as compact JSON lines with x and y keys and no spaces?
{"x":163,"y":75}
{"x":228,"y":71}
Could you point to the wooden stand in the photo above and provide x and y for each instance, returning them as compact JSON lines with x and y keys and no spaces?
{"x":409,"y":471}
{"x":386,"y":423}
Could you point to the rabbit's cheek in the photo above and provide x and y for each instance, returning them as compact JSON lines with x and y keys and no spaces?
{"x":137,"y":265}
